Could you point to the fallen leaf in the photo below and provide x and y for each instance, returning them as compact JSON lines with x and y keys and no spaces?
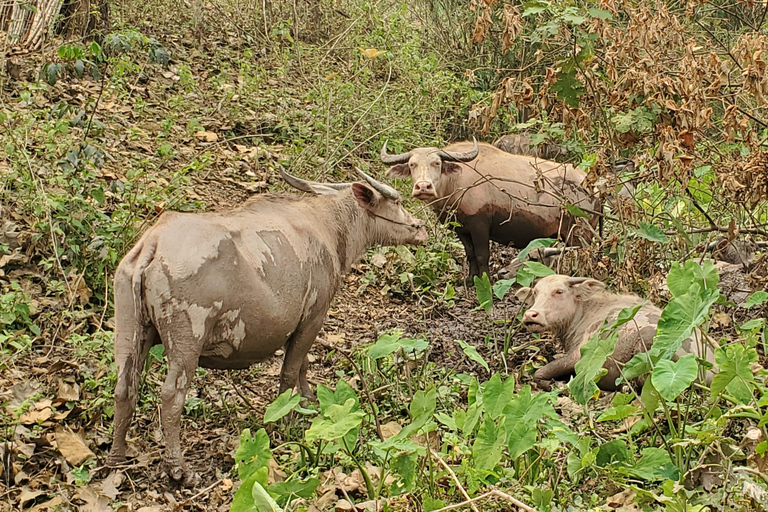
{"x":206,"y":136}
{"x":94,"y":501}
{"x":68,"y":391}
{"x":379,"y":260}
{"x":37,"y":413}
{"x":28,"y":495}
{"x":390,"y":429}
{"x":625,"y":497}
{"x":372,"y":53}
{"x":53,"y":503}
{"x":343,"y":506}
{"x":110,"y":486}
{"x":72,"y":447}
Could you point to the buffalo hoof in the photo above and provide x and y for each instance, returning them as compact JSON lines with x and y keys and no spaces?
{"x":115,"y":460}
{"x":543,"y":384}
{"x":184,"y":476}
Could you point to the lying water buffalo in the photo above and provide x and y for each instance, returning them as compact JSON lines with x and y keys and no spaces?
{"x":575,"y":308}
{"x":522,"y":144}
{"x":225,"y":290}
{"x":511,"y":199}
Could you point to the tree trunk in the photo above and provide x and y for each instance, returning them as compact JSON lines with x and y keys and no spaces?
{"x":25,"y":24}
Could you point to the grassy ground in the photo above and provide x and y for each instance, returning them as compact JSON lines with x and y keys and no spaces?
{"x":192,"y":107}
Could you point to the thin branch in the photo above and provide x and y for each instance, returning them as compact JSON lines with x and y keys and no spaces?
{"x":494,"y":493}
{"x":461,"y":489}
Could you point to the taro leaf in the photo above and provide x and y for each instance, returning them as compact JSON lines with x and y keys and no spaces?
{"x":758,"y":298}
{"x":752,"y":325}
{"x":617,"y":413}
{"x":576,"y":211}
{"x":294,"y":489}
{"x":531,"y":271}
{"x":422,"y":408}
{"x":385,"y":345}
{"x":678,"y":320}
{"x":532,"y":7}
{"x":250,"y":496}
{"x":651,"y":232}
{"x":489,"y":444}
{"x":589,"y":368}
{"x":670,"y":378}
{"x":472,"y":353}
{"x":535,"y":244}
{"x":405,"y":469}
{"x":734,"y":373}
{"x":282,"y":405}
{"x":343,"y":392}
{"x":253,"y":453}
{"x":654,"y":464}
{"x":522,"y":417}
{"x":497,"y":395}
{"x":612,"y":451}
{"x":98,"y":194}
{"x":338,"y":420}
{"x":682,"y":277}
{"x":470,"y":421}
{"x":484,"y":292}
{"x":502,"y":286}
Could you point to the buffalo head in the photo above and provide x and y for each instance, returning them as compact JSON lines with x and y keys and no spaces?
{"x":425,"y":166}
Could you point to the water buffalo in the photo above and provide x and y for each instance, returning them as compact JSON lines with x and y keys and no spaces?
{"x":575,"y":308}
{"x":225,"y":290}
{"x":511,"y":199}
{"x":521,"y":144}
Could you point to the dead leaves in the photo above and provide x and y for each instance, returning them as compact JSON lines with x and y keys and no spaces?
{"x":72,"y":446}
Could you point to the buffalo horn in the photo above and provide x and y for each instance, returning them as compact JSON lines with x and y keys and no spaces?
{"x":393,"y":159}
{"x":380,"y":187}
{"x":312,"y":187}
{"x":450,"y":156}
{"x":577,"y":280}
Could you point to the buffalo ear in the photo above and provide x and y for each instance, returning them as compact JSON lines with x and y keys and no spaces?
{"x":525,"y":295}
{"x":399,"y":171}
{"x":451,"y":168}
{"x":587,"y":288}
{"x":366,"y":197}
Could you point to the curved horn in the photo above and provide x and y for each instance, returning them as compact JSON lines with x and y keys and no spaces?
{"x":303,"y":185}
{"x":312,"y":187}
{"x":577,"y":280}
{"x":450,"y":156}
{"x":393,"y":159}
{"x":380,"y":187}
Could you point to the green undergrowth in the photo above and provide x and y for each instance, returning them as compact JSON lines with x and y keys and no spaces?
{"x":671,"y":445}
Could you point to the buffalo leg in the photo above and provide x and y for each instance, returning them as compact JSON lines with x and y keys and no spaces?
{"x":556,"y":370}
{"x":295,"y":362}
{"x":130,"y":357}
{"x":466,"y":240}
{"x":481,"y":240}
{"x":181,"y":370}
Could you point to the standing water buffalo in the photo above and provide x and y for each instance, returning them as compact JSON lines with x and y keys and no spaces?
{"x":226,"y":290}
{"x":511,"y":199}
{"x":575,"y":308}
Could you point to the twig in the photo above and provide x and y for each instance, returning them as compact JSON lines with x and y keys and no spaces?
{"x":204,"y":491}
{"x":445,"y":465}
{"x":96,"y":104}
{"x":494,"y":493}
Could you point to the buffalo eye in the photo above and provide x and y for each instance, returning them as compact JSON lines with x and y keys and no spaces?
{"x":559,"y":292}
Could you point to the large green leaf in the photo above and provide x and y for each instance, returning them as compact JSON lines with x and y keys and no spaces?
{"x":484,"y":292}
{"x":472,"y":353}
{"x":521,"y":420}
{"x":502,"y":286}
{"x":338,"y":420}
{"x":294,"y":489}
{"x":612,"y":451}
{"x":422,"y":408}
{"x":489,"y":444}
{"x":670,"y":378}
{"x":339,"y":396}
{"x":568,"y":88}
{"x":651,"y":232}
{"x":531,"y":271}
{"x":282,"y":405}
{"x":654,"y":464}
{"x":250,"y":496}
{"x":535,"y":244}
{"x":734,"y":372}
{"x":682,"y":277}
{"x":589,"y":368}
{"x":253,"y":453}
{"x":758,"y":298}
{"x":678,"y":320}
{"x":497,"y":395}
{"x":392,"y":342}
